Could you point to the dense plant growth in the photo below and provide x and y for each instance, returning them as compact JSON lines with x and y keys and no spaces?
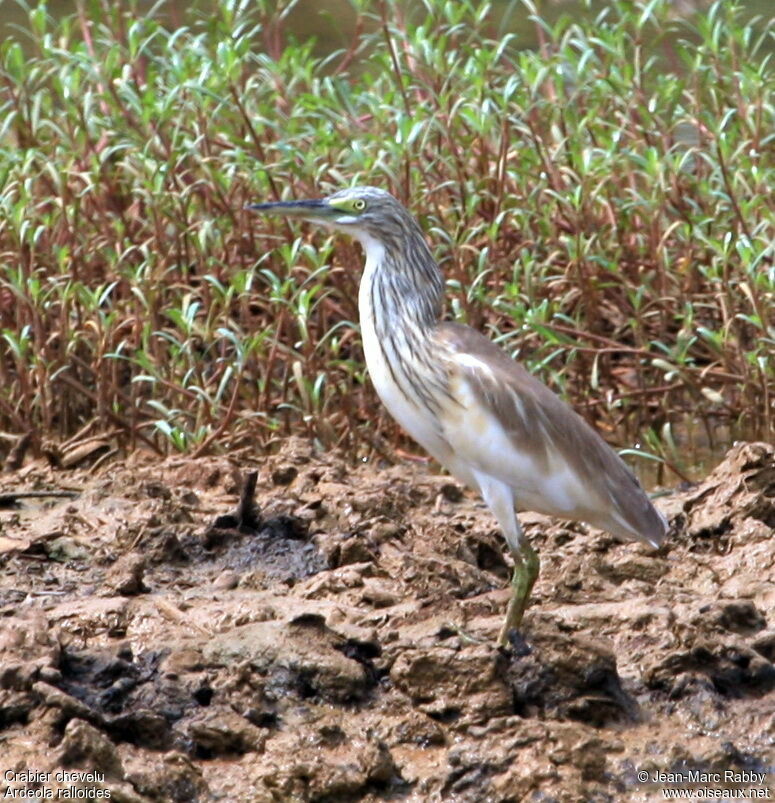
{"x":601,"y":205}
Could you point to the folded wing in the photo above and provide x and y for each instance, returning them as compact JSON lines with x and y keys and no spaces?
{"x":505,"y":423}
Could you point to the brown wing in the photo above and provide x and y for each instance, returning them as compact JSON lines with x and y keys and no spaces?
{"x":541,"y":425}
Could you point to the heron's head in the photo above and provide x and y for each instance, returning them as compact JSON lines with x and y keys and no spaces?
{"x":367,"y":213}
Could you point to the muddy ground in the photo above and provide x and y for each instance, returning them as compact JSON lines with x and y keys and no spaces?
{"x":341,"y":647}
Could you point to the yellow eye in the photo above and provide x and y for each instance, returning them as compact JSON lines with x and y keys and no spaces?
{"x":359,"y":204}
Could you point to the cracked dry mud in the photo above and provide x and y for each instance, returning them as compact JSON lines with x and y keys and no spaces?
{"x":344,"y":650}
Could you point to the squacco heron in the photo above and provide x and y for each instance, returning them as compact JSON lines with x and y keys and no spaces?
{"x":489,"y":422}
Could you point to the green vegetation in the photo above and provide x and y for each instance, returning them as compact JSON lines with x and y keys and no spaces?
{"x":602,"y":207}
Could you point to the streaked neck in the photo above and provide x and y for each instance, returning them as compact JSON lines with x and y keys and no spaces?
{"x":404,"y":282}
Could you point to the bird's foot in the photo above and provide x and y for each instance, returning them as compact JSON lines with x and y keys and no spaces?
{"x":526,"y":567}
{"x":461,"y":633}
{"x":514,"y":642}
{"x":514,"y":614}
{"x":510,"y":630}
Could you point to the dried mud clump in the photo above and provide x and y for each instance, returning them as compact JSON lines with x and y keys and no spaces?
{"x":328,"y":635}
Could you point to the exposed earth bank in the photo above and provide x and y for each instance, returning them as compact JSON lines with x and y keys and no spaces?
{"x":339,"y":645}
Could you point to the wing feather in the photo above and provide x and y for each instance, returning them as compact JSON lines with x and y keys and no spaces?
{"x":556,"y":462}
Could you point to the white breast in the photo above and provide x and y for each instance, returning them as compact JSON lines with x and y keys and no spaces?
{"x":415,"y":418}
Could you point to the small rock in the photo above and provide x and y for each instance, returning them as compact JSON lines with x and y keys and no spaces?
{"x":741,"y":616}
{"x":226,"y":580}
{"x":447,"y":682}
{"x":170,"y":776}
{"x":189,"y":498}
{"x":368,"y":765}
{"x":27,"y":639}
{"x":417,"y":729}
{"x":589,"y":755}
{"x":182,"y":660}
{"x":284,"y":475}
{"x":85,"y":746}
{"x":300,"y":659}
{"x":378,"y":594}
{"x":50,"y":674}
{"x":14,"y":707}
{"x":764,"y":644}
{"x":219,"y":732}
{"x":354,"y":550}
{"x":125,"y":576}
{"x":290,"y":527}
{"x":65,"y":549}
{"x":568,"y":678}
{"x":451,"y":492}
{"x":156,"y":489}
{"x":92,"y":615}
{"x":141,"y":727}
{"x":629,"y":566}
{"x":385,"y":531}
{"x":163,"y":547}
{"x":67,"y":704}
{"x":731,"y":670}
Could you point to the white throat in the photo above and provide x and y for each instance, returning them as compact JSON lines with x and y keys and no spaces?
{"x":373,"y":248}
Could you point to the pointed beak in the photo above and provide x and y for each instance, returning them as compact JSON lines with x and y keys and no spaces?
{"x":311,"y":210}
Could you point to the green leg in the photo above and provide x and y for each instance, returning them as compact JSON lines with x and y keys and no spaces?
{"x":526,"y":568}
